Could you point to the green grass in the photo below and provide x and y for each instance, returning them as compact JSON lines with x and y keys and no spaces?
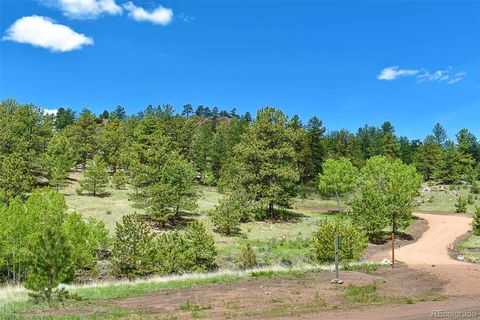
{"x":362,"y":294}
{"x":91,"y":295}
{"x":444,"y":201}
{"x":277,"y":243}
{"x":471,"y":248}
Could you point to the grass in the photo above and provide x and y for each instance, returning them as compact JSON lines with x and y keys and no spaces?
{"x":91,"y":294}
{"x":444,"y":200}
{"x":362,"y":294}
{"x":278,"y":243}
{"x":471,"y":248}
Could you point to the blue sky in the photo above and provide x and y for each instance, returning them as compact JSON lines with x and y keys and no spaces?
{"x":349,"y":63}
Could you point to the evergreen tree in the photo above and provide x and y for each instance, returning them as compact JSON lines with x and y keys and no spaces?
{"x":228,"y":213}
{"x":469,"y":149}
{"x":83,"y":137}
{"x":24,"y":135}
{"x":64,"y":118}
{"x":439,"y":134}
{"x":429,"y":158}
{"x":389,"y":143}
{"x":96,"y":177}
{"x":170,"y":190}
{"x":111,"y":143}
{"x":264,"y":162}
{"x":202,"y":246}
{"x":247,"y":258}
{"x":52,"y":264}
{"x":202,"y":145}
{"x":476,"y":221}
{"x":60,"y":159}
{"x":314,"y":135}
{"x":173,"y":254}
{"x":119,"y":113}
{"x":187,"y":110}
{"x":133,"y":247}
{"x":449,"y":169}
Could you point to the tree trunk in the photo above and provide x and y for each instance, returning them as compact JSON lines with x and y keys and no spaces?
{"x":338,"y":200}
{"x":270,"y":210}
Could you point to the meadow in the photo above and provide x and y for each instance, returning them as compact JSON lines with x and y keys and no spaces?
{"x":279,"y":243}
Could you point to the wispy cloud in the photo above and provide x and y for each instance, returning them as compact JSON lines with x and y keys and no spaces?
{"x":87,"y":9}
{"x":422,"y":75}
{"x":160,"y":15}
{"x":45,"y":33}
{"x":392,"y":73}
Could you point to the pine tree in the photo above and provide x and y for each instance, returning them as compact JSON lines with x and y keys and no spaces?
{"x":172,"y":189}
{"x":60,"y":159}
{"x":83,"y":136}
{"x":228,"y":214}
{"x":202,"y":246}
{"x":429,"y":158}
{"x":96,"y":177}
{"x":389,"y":143}
{"x":133,"y":247}
{"x":476,"y":221}
{"x":187,"y":110}
{"x":439,"y":134}
{"x":52,"y":264}
{"x":111,"y":143}
{"x":264,"y":162}
{"x":119,"y":113}
{"x":64,"y":118}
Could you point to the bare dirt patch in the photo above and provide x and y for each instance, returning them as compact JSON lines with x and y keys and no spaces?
{"x":281,"y":296}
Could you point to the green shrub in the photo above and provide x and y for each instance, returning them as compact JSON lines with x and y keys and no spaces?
{"x":86,"y":237}
{"x":470,"y":199}
{"x":352,"y":245}
{"x":247,"y":258}
{"x":173,"y":254}
{"x":461,"y":205}
{"x":209,"y":179}
{"x":476,"y":221}
{"x":475,"y":188}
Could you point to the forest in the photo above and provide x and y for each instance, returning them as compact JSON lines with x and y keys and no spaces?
{"x":258,"y":163}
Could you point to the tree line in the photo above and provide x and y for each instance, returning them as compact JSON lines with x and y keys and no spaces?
{"x":205,"y":144}
{"x":260,"y":163}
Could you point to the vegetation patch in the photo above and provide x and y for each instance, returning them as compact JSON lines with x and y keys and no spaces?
{"x":362,"y":294}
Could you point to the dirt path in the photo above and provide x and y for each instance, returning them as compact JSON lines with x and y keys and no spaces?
{"x":430,"y":254}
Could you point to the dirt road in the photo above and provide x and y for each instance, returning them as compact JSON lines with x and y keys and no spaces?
{"x":430,"y":254}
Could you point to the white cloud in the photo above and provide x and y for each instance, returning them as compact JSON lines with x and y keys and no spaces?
{"x":422,"y":75}
{"x":50,"y":112}
{"x":45,"y":33}
{"x":160,"y":15}
{"x":88,"y":9}
{"x":458,"y":76}
{"x":391,"y":73}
